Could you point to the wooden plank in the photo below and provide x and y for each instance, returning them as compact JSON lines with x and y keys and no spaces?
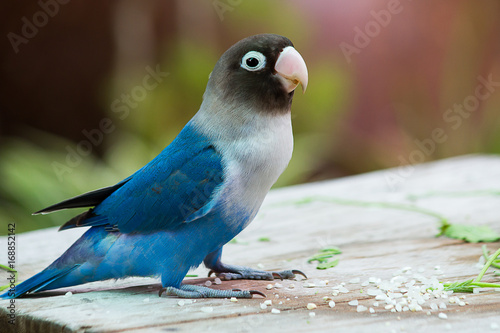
{"x":377,"y":241}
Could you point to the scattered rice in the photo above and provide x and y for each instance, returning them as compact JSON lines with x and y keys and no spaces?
{"x":311,"y":306}
{"x":442,"y":315}
{"x":407,"y":290}
{"x":353,"y":302}
{"x":343,"y":290}
{"x":361,"y":308}
{"x":322,"y":283}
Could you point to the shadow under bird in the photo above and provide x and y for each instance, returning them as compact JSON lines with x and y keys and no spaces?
{"x":201,"y":191}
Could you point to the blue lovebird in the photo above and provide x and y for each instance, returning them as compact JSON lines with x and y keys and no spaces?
{"x":201,"y":191}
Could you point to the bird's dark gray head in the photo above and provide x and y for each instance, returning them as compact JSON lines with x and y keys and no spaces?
{"x":259,"y":72}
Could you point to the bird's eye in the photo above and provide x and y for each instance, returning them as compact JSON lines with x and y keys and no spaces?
{"x":253,"y":61}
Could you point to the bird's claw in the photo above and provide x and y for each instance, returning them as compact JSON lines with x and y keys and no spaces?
{"x":237,"y":273}
{"x":193,"y":291}
{"x":288,"y":274}
{"x":256,"y":292}
{"x":296,"y":271}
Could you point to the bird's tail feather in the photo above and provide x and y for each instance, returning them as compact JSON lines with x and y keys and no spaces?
{"x":38,"y":282}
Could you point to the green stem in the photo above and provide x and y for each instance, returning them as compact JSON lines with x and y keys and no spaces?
{"x":485,"y":252}
{"x":8,"y":269}
{"x":485,"y":284}
{"x":457,"y":194}
{"x":486,"y":256}
{"x":487,"y":265}
{"x":398,"y":206}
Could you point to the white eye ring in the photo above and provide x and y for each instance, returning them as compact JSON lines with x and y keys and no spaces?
{"x":253,"y":61}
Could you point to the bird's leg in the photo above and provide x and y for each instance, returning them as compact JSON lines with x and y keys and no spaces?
{"x":192,"y":291}
{"x":234,"y":272}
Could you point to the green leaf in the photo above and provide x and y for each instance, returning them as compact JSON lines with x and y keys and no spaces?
{"x":460,"y":287}
{"x":326,"y":265}
{"x":319,"y":257}
{"x":322,"y":257}
{"x":236,"y":241}
{"x":469,"y":233}
{"x":264,"y":239}
{"x":324,"y":254}
{"x":332,"y":250}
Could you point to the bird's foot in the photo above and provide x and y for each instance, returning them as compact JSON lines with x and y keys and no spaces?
{"x":231,"y":272}
{"x":192,"y":291}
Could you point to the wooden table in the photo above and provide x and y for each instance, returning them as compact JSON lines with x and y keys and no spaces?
{"x":366,"y":216}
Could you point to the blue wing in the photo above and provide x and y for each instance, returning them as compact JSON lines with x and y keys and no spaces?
{"x":178,"y":186}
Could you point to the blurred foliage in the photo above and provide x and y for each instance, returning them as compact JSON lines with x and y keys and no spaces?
{"x":355,"y":117}
{"x":30,"y":184}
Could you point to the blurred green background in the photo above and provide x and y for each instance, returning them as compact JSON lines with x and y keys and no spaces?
{"x":383,"y":75}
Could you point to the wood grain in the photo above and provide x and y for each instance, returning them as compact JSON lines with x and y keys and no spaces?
{"x":365,"y":216}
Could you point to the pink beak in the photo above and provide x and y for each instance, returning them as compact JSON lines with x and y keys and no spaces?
{"x":291,"y":69}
